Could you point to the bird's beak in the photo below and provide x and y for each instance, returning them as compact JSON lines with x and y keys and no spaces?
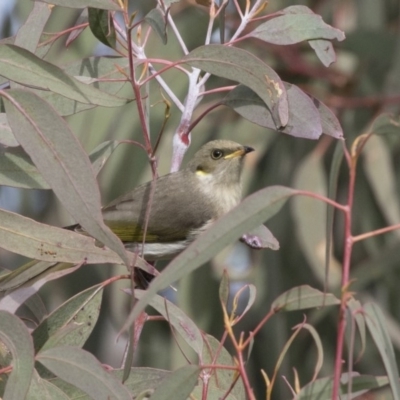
{"x":239,"y":153}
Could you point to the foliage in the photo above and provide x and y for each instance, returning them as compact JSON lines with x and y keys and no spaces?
{"x":54,"y":111}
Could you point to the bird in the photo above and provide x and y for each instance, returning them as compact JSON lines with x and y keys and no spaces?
{"x":183,"y":205}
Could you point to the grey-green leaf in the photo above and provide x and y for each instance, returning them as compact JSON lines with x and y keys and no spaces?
{"x":178,"y":385}
{"x":59,"y":157}
{"x":81,"y":369}
{"x":82,"y":309}
{"x":304,"y":119}
{"x":377,"y":327}
{"x":157,"y":20}
{"x":21,"y":66}
{"x":243,"y":67}
{"x":303,"y":297}
{"x":103,"y":4}
{"x":178,"y":319}
{"x":15,"y":335}
{"x":294,"y":28}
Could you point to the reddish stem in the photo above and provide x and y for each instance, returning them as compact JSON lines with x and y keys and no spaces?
{"x":348,"y":247}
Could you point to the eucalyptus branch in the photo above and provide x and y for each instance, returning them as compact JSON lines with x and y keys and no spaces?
{"x":140,"y":54}
{"x":177,"y":34}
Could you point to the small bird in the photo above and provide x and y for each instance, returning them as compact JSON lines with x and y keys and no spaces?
{"x":184,"y":203}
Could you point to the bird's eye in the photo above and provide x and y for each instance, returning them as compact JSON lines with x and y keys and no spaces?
{"x":217,"y":154}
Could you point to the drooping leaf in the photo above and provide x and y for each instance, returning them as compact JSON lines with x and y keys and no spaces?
{"x":243,"y":67}
{"x":21,"y":66}
{"x":58,"y":155}
{"x":256,"y":208}
{"x":321,"y":389}
{"x":303,"y":297}
{"x":42,"y":389}
{"x":81,"y":369}
{"x":178,"y":385}
{"x":294,"y":27}
{"x":311,"y":231}
{"x":304,"y":119}
{"x":6,"y":137}
{"x":39,"y":241}
{"x":103,"y":4}
{"x":157,"y":20}
{"x":102,"y":26}
{"x":18,"y":170}
{"x":15,"y":335}
{"x":29,"y":34}
{"x":13,"y":300}
{"x":82,"y":310}
{"x":215,"y":353}
{"x":377,"y":327}
{"x":178,"y":319}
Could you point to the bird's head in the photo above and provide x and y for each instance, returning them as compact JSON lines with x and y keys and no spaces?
{"x":220,"y":161}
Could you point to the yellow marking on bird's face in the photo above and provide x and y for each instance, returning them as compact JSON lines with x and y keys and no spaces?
{"x":200,"y":172}
{"x":237,"y":153}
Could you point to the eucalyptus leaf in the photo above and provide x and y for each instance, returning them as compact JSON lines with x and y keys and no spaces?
{"x":243,"y":67}
{"x":81,"y":369}
{"x":25,"y":68}
{"x":157,"y":20}
{"x":80,"y":311}
{"x":102,"y":26}
{"x":15,"y":335}
{"x":59,"y":157}
{"x":303,"y":297}
{"x":103,"y":4}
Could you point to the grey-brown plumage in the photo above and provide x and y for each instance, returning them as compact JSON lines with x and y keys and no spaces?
{"x":184,"y":203}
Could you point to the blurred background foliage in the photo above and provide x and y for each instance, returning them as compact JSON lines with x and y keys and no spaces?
{"x":364,"y":81}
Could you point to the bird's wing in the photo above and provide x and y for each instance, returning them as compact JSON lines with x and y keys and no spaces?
{"x":178,"y":207}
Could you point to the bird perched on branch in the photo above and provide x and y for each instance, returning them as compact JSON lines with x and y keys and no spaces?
{"x":182,"y":205}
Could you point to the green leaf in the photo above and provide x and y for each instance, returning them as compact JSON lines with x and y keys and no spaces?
{"x":378,"y":164}
{"x":84,"y":371}
{"x":310,"y":218}
{"x":254,"y":209}
{"x":18,"y":170}
{"x":178,"y":319}
{"x":321,"y":389}
{"x":103,"y":4}
{"x":102,"y":26}
{"x":59,"y":157}
{"x":157,"y":20}
{"x":178,"y":385}
{"x":330,"y":124}
{"x":6,"y":137}
{"x":22,"y":66}
{"x":357,"y":314}
{"x":377,"y":327}
{"x":243,"y":67}
{"x":139,"y":381}
{"x":385,"y":124}
{"x":304,"y":120}
{"x":39,"y":241}
{"x":324,"y":51}
{"x":332,"y":191}
{"x":82,"y":310}
{"x":41,"y":389}
{"x":303,"y":297}
{"x":29,"y":33}
{"x":294,"y":28}
{"x":215,"y":353}
{"x":15,"y":335}
{"x":224,"y":289}
{"x":12,"y":301}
